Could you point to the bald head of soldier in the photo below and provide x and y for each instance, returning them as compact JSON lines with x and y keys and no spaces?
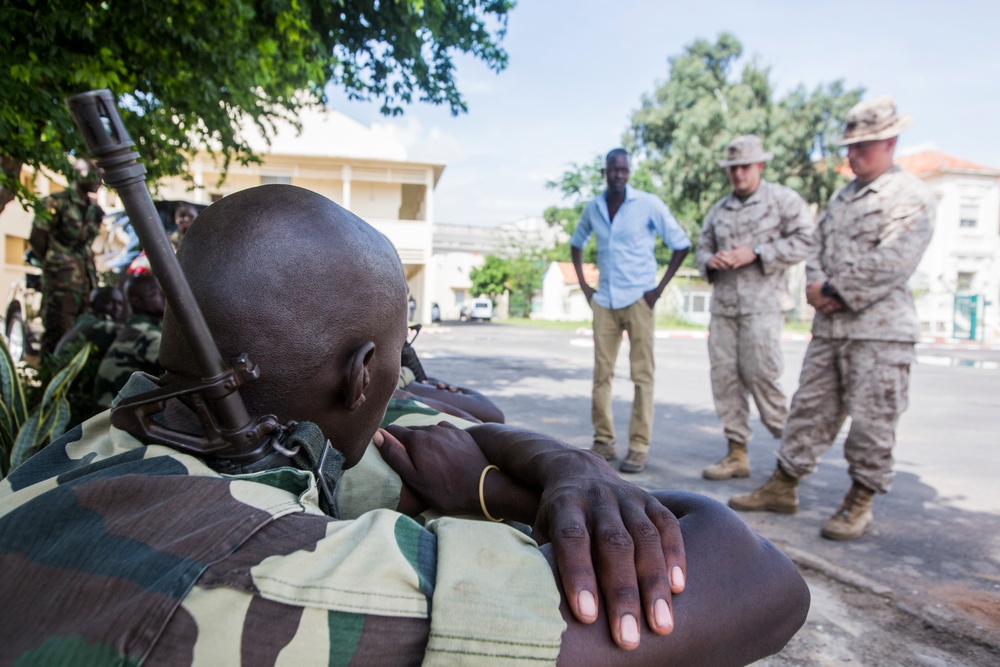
{"x":313,"y":294}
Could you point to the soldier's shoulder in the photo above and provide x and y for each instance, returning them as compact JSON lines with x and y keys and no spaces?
{"x":717,"y":208}
{"x":908,"y":191}
{"x":784,"y":194}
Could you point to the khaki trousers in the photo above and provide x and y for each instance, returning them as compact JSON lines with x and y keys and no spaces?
{"x":863,"y":379}
{"x":745,"y":353}
{"x":637,"y":321}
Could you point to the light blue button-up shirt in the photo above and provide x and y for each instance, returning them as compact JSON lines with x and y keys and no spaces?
{"x":625,"y":249}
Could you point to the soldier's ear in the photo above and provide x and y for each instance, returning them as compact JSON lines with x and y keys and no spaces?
{"x":357,"y":375}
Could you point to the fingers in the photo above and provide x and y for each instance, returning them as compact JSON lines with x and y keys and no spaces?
{"x":393,"y":451}
{"x":571,"y":544}
{"x":614,"y":551}
{"x":656,"y":536}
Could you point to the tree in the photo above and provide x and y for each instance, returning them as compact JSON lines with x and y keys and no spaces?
{"x":191,"y":75}
{"x":491,"y":278}
{"x":682,"y":127}
{"x":582,"y":183}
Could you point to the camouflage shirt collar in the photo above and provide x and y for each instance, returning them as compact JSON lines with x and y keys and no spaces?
{"x":733,"y":202}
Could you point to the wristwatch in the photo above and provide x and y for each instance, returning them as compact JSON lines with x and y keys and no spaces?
{"x":756,"y":251}
{"x":827,"y":290}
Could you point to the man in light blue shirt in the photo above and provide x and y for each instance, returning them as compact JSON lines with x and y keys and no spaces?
{"x":625,"y":222}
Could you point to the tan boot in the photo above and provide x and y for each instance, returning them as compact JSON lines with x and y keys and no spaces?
{"x":605,"y":449}
{"x":635,"y":462}
{"x":854,"y":517}
{"x":778,"y":494}
{"x":733,"y":464}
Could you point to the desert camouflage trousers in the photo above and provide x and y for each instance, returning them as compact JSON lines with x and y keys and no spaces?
{"x":865,"y":380}
{"x":746,"y":359}
{"x":637,"y":320}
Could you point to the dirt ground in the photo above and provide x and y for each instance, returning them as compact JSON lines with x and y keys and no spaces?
{"x":848,"y":626}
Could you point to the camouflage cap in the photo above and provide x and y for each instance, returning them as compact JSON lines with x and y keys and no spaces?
{"x":748,"y":149}
{"x":873,"y":120}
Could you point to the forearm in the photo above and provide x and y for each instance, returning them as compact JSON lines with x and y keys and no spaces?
{"x":787,"y":250}
{"x":676,"y":258}
{"x":885,"y":268}
{"x":577,"y":255}
{"x":530,"y":458}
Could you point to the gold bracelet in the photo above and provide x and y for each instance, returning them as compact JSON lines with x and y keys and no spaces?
{"x":482,"y":498}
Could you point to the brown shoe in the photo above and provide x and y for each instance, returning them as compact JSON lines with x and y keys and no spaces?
{"x":778,"y":494}
{"x":734,"y":464}
{"x":634,"y":462}
{"x":605,"y":449}
{"x":854,"y":518}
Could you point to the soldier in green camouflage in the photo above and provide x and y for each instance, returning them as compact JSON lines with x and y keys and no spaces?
{"x":118,"y":551}
{"x":137,"y":344}
{"x":99,"y":323}
{"x":61,"y":235}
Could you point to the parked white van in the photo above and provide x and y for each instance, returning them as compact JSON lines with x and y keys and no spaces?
{"x":478,"y":309}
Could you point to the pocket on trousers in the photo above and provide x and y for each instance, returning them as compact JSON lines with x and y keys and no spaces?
{"x":890,"y":382}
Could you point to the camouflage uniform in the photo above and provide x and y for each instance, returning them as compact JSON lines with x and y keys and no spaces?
{"x":136,"y":348}
{"x":100,"y":331}
{"x":744,"y":343}
{"x":68,"y":271}
{"x":115,"y":553}
{"x":870,"y":240}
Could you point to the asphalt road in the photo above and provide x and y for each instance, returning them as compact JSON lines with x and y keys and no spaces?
{"x":931,"y":567}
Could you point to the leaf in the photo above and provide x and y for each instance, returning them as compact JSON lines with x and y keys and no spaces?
{"x":25,"y":445}
{"x":54,"y":424}
{"x":10,"y":386}
{"x":61,"y":382}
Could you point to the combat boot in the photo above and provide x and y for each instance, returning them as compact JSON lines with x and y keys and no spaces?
{"x":853,"y":518}
{"x":734,"y":464}
{"x":778,"y":494}
{"x":605,"y":449}
{"x":635,"y":462}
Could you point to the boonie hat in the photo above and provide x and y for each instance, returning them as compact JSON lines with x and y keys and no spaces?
{"x":873,"y":120}
{"x":748,"y":149}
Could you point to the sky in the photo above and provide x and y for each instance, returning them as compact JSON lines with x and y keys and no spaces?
{"x":578,"y":70}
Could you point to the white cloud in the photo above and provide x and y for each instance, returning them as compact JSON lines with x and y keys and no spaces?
{"x":422,"y":145}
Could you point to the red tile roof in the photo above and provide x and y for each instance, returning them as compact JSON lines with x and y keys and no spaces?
{"x":590,"y":273}
{"x":932,"y":162}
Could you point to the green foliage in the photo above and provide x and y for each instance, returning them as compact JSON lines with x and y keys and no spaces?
{"x":190,"y":74}
{"x":491,"y":278}
{"x":682,"y":128}
{"x":22,"y":431}
{"x":80,"y":396}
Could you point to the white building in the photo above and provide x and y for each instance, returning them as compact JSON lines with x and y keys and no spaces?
{"x":562,"y":298}
{"x":458,"y":249}
{"x":963,"y":259}
{"x":363,"y":169}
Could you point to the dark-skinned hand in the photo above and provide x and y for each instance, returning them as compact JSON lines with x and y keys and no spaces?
{"x":602,"y":529}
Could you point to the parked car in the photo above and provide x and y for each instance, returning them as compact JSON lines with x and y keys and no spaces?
{"x":117,"y":247}
{"x":478,"y":309}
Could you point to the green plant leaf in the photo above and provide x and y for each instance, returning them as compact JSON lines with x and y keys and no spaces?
{"x":10,"y":386}
{"x":54,"y":424}
{"x":26,"y":442}
{"x":64,"y":378}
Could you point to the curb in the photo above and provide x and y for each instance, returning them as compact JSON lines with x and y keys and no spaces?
{"x":939,"y":619}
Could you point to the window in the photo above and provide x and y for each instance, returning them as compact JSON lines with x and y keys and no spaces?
{"x":968,"y":214}
{"x":459,"y":296}
{"x":14,"y":247}
{"x":274,"y":179}
{"x":964,"y":281}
